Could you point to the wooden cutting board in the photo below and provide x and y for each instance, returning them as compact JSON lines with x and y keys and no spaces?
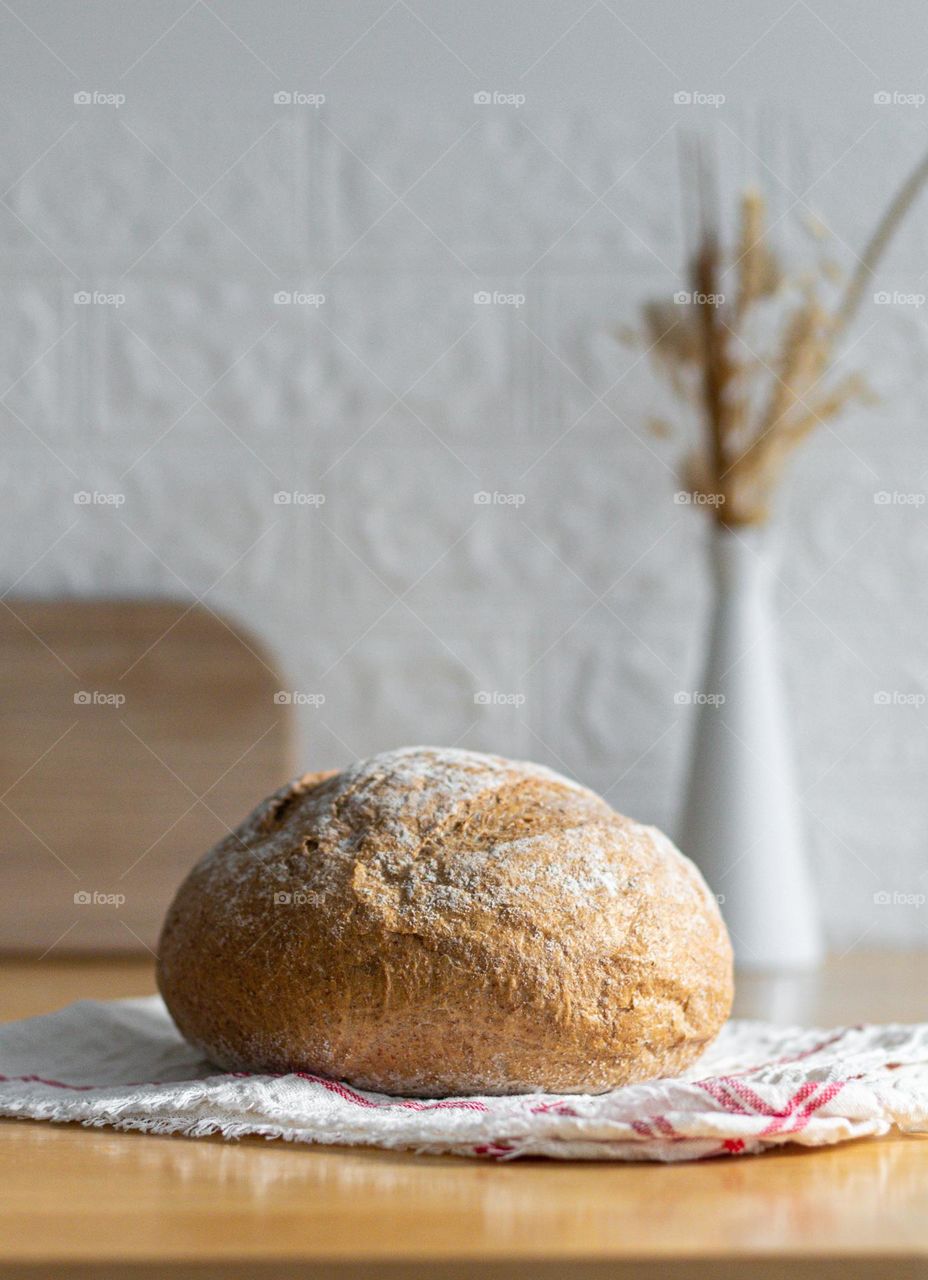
{"x":133,"y":734}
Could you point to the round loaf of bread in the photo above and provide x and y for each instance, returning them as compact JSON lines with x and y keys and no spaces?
{"x":434,"y":922}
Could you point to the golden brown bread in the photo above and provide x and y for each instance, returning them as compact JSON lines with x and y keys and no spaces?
{"x":435,"y":922}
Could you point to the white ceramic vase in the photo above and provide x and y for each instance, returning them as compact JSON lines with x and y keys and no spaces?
{"x":741,"y":820}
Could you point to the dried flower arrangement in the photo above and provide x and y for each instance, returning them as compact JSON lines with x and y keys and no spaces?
{"x":755,"y":409}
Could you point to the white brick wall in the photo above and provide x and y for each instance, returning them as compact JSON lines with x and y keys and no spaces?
{"x":398,"y":398}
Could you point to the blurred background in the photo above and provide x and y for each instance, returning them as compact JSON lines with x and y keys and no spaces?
{"x":316,"y":319}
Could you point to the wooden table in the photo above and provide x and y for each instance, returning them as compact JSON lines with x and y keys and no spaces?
{"x":76,"y":1202}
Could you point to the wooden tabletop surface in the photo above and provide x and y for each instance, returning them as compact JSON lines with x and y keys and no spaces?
{"x":97,"y":1203}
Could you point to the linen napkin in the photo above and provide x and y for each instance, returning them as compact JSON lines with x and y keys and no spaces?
{"x":123,"y":1063}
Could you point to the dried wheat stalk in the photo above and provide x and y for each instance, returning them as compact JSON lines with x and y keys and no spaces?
{"x":709,"y":363}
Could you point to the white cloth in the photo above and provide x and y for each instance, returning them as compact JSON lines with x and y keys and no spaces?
{"x":123,"y":1063}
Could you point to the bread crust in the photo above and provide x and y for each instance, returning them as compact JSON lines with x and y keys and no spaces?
{"x":434,"y":922}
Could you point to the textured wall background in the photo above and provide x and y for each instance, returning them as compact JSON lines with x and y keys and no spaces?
{"x":576,"y":601}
